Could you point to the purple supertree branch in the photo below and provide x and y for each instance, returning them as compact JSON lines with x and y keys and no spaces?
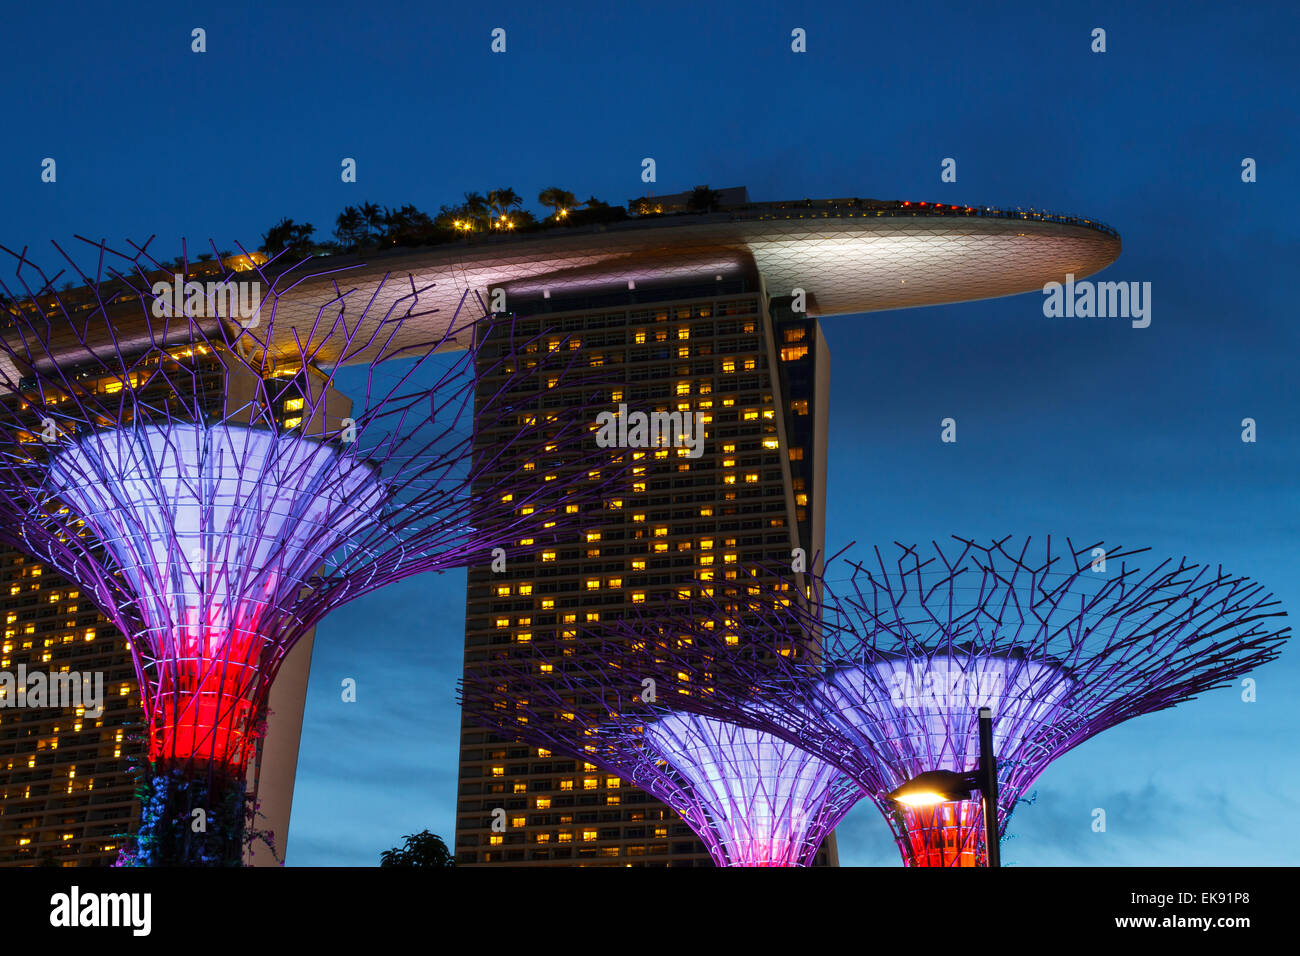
{"x":1074,"y":651}
{"x":750,"y":798}
{"x":409,"y":463}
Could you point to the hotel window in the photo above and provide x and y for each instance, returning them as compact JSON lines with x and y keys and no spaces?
{"x":799,"y":406}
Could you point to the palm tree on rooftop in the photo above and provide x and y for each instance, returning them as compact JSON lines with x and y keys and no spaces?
{"x":477,"y":207}
{"x":557,"y":199}
{"x":501,"y":201}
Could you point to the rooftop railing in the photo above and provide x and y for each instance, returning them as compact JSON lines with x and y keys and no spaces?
{"x":871,"y":208}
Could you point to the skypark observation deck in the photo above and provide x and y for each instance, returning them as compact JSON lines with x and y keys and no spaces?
{"x":848,"y":255}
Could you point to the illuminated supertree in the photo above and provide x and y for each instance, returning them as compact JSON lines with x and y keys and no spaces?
{"x":219,"y":464}
{"x":752,"y":799}
{"x":885,"y":680}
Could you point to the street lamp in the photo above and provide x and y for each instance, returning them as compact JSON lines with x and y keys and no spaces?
{"x":946,"y":786}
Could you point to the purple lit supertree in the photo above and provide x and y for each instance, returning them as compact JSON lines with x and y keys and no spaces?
{"x":751,"y":798}
{"x":219,"y":464}
{"x":884,"y":677}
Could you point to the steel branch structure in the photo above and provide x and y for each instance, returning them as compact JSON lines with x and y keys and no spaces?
{"x":216,"y":498}
{"x":752,"y":798}
{"x":885,"y":680}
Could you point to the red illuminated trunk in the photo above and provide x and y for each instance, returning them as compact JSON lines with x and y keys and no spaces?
{"x":946,"y":834}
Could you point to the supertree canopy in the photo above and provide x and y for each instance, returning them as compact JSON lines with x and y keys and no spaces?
{"x":218,"y":476}
{"x":752,"y":799}
{"x":884,"y":676}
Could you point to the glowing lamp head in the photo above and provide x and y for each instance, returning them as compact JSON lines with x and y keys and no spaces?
{"x":933,"y":787}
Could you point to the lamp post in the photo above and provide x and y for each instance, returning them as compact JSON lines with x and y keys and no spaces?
{"x":946,"y":786}
{"x":988,"y":785}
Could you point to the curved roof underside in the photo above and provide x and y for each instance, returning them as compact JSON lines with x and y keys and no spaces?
{"x":847,"y":259}
{"x":844,"y":265}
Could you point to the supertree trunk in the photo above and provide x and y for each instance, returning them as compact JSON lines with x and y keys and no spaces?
{"x":945,"y":834}
{"x":191,"y":815}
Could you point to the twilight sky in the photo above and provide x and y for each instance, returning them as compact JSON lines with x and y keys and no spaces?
{"x":1079,"y":427}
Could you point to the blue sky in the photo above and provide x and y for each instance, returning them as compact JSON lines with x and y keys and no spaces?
{"x":1077,"y":427}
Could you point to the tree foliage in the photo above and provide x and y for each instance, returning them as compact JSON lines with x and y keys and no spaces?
{"x":420,"y":849}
